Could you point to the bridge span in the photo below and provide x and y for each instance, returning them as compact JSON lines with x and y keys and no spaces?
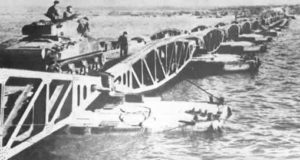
{"x":35,"y":104}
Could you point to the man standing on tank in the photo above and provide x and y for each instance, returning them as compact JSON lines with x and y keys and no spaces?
{"x":53,"y":13}
{"x":83,"y":27}
{"x":123,"y":43}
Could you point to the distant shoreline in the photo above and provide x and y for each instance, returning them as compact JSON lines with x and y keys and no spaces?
{"x":108,"y":7}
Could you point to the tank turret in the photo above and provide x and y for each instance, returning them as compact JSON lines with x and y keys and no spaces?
{"x":47,"y":28}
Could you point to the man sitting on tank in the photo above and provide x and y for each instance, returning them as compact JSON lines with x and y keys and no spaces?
{"x":68,"y":14}
{"x":53,"y":13}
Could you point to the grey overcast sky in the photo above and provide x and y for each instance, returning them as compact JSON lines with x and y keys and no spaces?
{"x":148,"y":3}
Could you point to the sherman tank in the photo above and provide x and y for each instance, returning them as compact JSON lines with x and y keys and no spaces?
{"x":55,"y":47}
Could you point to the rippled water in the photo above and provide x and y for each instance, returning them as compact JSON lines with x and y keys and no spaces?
{"x":266,"y":107}
{"x":265,"y":125}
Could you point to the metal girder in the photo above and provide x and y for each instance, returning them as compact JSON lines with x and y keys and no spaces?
{"x":36,"y":104}
{"x":153,"y":67}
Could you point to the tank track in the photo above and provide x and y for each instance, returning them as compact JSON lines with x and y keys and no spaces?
{"x":86,"y":64}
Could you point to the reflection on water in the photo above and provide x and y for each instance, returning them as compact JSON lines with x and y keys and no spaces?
{"x":265,"y":124}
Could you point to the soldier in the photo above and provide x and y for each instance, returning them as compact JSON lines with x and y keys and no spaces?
{"x":52,"y":12}
{"x":123,"y":44}
{"x":83,"y":27}
{"x":68,"y":14}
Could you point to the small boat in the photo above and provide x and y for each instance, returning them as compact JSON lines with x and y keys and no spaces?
{"x":226,"y":63}
{"x":271,"y":32}
{"x":239,"y":47}
{"x":267,"y":31}
{"x":155,"y":115}
{"x":255,"y":38}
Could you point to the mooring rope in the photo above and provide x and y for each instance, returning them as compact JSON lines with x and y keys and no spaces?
{"x":212,"y":95}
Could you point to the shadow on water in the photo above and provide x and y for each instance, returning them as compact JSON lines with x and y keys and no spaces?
{"x":47,"y":149}
{"x":40,"y":151}
{"x":209,"y":135}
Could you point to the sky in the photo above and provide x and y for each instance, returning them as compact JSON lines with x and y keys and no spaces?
{"x":146,"y":3}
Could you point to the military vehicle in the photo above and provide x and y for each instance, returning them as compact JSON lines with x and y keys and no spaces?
{"x":54,"y":47}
